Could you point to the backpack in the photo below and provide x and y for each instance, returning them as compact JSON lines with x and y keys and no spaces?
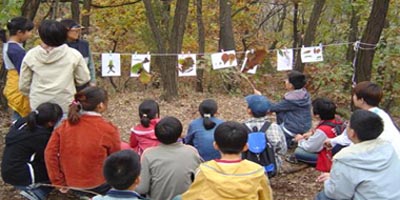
{"x":260,"y":150}
{"x":337,"y":128}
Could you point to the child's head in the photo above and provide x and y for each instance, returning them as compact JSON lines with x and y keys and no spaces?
{"x":45,"y":115}
{"x":258,"y":105}
{"x":52,"y":33}
{"x":122,"y":169}
{"x":365,"y":125}
{"x":324,"y":108}
{"x":296,"y":79}
{"x":168,"y":130}
{"x":369,"y":92}
{"x":148,"y":110}
{"x":20,"y":27}
{"x":88,"y":99}
{"x":74,"y":29}
{"x":207,"y":109}
{"x":231,"y":137}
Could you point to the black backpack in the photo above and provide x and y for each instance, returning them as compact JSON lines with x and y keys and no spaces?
{"x":337,"y":128}
{"x":260,"y":150}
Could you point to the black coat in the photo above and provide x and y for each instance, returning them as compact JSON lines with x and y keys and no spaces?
{"x":23,"y":158}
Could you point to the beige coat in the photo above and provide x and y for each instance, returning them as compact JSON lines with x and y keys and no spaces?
{"x":52,"y":76}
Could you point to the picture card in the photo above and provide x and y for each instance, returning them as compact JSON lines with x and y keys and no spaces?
{"x":312,"y":54}
{"x":140,"y":62}
{"x":110,"y":64}
{"x":245,"y":62}
{"x":224,"y":59}
{"x":187,"y":65}
{"x":285,"y":59}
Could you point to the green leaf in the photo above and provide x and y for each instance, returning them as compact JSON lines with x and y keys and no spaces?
{"x":145,"y":77}
{"x":136,"y":67}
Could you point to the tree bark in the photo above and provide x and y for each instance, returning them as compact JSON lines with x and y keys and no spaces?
{"x":86,"y":16}
{"x":309,"y":35}
{"x":353,"y":33}
{"x":29,"y":8}
{"x":201,"y":42}
{"x":75,"y":10}
{"x":295,"y":27}
{"x":371,"y":35}
{"x":226,"y":37}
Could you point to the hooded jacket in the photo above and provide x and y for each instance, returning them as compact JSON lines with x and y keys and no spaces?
{"x":225,"y":180}
{"x":144,"y":137}
{"x":294,"y":112}
{"x":367,"y":170}
{"x":23,"y":158}
{"x":51,"y":76}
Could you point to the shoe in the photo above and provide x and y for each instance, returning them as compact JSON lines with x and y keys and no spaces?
{"x":28,"y":195}
{"x":291,"y":159}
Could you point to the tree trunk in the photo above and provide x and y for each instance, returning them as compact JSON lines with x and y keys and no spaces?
{"x":309,"y":35}
{"x":371,"y":35}
{"x":54,"y":9}
{"x":29,"y":8}
{"x":202,"y":43}
{"x":295,"y":27}
{"x":75,"y":10}
{"x":86,"y":16}
{"x":353,"y":33}
{"x":226,"y":37}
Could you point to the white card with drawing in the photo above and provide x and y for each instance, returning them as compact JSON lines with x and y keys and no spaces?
{"x":140,"y":62}
{"x":285,"y":59}
{"x":187,"y":65}
{"x":311,"y":54}
{"x":224,"y":59}
{"x":245,"y":62}
{"x":110,"y":64}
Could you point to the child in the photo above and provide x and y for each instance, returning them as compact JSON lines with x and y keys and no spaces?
{"x":366,"y":170}
{"x":20,"y":30}
{"x":311,"y":148}
{"x":230,"y":177}
{"x":77,"y":148}
{"x":167,"y":169}
{"x":142,"y":135}
{"x":201,"y":130}
{"x":122,"y":170}
{"x":258,"y":107}
{"x":50,"y":71}
{"x":294,"y":111}
{"x":23,"y":159}
{"x":367,"y":95}
{"x":73,"y":41}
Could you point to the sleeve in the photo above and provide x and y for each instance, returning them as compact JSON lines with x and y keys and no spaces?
{"x":133,"y":140}
{"x":52,"y":160}
{"x":315,"y":143}
{"x":25,"y":78}
{"x":277,"y":139}
{"x":283,"y":105}
{"x":81,"y":72}
{"x":114,"y":142}
{"x":264,"y":191}
{"x":190,"y":135}
{"x":197,"y":186}
{"x":342,"y":183}
{"x":16,"y":56}
{"x":145,"y":176}
{"x":92,"y":69}
{"x":342,"y":139}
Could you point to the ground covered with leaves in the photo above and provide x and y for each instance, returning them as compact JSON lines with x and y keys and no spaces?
{"x":295,"y":182}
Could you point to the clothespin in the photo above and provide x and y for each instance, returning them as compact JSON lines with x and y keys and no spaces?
{"x":356,"y":46}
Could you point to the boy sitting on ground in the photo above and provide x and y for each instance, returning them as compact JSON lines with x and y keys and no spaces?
{"x":121,"y":170}
{"x":230,"y":177}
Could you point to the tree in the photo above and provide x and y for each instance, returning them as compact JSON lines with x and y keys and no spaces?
{"x":29,"y":8}
{"x":86,"y":16}
{"x":168,"y":40}
{"x":75,"y":10}
{"x":226,"y":37}
{"x":371,"y":35}
{"x":202,"y":43}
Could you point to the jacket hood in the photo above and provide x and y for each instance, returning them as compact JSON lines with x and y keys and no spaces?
{"x":19,"y":131}
{"x":51,"y":56}
{"x":299,"y":97}
{"x":245,"y":181}
{"x":372,"y":155}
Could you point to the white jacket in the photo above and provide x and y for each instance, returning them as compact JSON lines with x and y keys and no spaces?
{"x":52,"y":76}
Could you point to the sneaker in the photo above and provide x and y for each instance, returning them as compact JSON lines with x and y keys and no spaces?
{"x":292,"y":159}
{"x":28,"y":195}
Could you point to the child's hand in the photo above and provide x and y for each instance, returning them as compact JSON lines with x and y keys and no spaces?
{"x":256,"y":92}
{"x":323,"y":177}
{"x":307,"y":135}
{"x":298,"y":137}
{"x":328,"y":144}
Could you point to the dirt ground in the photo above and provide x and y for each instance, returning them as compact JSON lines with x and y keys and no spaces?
{"x":122,"y":111}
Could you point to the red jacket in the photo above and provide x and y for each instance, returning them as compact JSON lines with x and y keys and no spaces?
{"x":143,"y":138}
{"x":324,"y":159}
{"x":75,"y":153}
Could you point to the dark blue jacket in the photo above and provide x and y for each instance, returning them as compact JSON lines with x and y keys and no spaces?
{"x":294,"y":111}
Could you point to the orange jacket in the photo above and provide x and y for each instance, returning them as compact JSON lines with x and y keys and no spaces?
{"x":75,"y":153}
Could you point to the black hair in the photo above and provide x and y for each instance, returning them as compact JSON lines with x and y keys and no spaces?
{"x":207,"y":109}
{"x":44,"y":113}
{"x":52,"y":33}
{"x":168,"y":130}
{"x":121,"y":169}
{"x":325,"y":108}
{"x":231,"y":137}
{"x":297,"y":79}
{"x":68,"y":23}
{"x":148,"y":110}
{"x":366,"y":125}
{"x":370,"y":92}
{"x":87,"y":99}
{"x":16,"y":24}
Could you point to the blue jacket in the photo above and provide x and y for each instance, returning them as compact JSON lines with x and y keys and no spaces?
{"x":203,"y":139}
{"x":294,"y":111}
